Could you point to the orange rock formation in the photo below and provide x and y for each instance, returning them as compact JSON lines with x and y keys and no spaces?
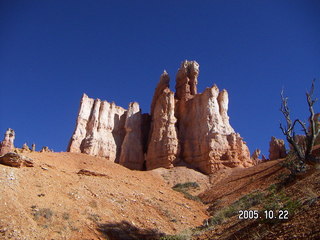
{"x":183,"y":128}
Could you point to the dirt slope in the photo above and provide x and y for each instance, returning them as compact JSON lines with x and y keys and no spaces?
{"x":301,"y":195}
{"x":230,"y":184}
{"x":76,"y":196}
{"x":182,"y":174}
{"x":52,"y":200}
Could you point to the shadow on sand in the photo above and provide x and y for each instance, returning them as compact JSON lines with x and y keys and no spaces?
{"x":126,"y":231}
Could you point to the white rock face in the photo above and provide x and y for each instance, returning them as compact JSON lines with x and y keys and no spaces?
{"x":206,"y":111}
{"x":132,"y":149}
{"x":99,"y":130}
{"x":223,"y":101}
{"x":82,"y":121}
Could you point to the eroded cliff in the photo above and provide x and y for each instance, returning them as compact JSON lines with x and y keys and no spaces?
{"x":184,"y":127}
{"x":99,"y":130}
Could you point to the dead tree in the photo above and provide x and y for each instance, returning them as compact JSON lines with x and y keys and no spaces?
{"x":311,"y":133}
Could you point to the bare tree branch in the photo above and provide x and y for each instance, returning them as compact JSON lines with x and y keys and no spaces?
{"x":282,"y":129}
{"x":303,"y":125}
{"x":310,"y":134}
{"x":288,"y":131}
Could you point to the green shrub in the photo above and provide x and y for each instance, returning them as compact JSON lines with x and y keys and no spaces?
{"x":217,"y":219}
{"x":278,"y":200}
{"x":246,"y":202}
{"x":94,"y":217}
{"x":173,"y":237}
{"x":42,"y":212}
{"x":250,"y":200}
{"x":294,"y":164}
{"x":292,"y":206}
{"x":65,"y":216}
{"x":184,"y":187}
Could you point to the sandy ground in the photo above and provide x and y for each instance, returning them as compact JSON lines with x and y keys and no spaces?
{"x":52,"y":201}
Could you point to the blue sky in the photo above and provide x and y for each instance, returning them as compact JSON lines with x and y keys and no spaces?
{"x":53,"y":51}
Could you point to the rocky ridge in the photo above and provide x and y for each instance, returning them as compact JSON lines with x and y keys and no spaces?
{"x":183,"y":128}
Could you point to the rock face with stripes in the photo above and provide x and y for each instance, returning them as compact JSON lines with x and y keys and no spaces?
{"x":163,"y":147}
{"x":207,"y":140}
{"x":99,"y":130}
{"x":185,"y":127}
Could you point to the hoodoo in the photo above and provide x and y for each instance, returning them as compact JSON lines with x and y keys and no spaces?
{"x":185,"y":127}
{"x":7,"y":145}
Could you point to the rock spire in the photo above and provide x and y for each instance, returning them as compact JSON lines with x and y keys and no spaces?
{"x":163,"y":140}
{"x":7,"y":145}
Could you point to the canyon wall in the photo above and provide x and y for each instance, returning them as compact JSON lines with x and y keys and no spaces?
{"x":184,"y":127}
